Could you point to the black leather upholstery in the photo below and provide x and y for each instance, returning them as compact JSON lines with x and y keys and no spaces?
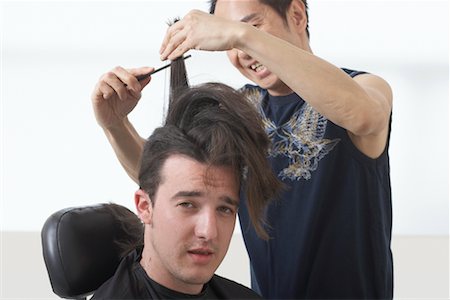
{"x":79,"y":249}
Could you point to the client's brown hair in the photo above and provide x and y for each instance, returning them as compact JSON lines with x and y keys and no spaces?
{"x":213,"y":124}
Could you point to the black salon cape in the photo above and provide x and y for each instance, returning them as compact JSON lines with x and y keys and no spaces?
{"x":130,"y":281}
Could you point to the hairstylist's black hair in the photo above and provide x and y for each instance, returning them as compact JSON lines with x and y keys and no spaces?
{"x":279,"y":6}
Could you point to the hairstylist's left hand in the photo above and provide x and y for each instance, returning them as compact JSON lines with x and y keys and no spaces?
{"x":201,"y":31}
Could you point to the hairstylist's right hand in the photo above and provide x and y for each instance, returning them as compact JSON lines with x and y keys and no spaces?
{"x":116,"y":94}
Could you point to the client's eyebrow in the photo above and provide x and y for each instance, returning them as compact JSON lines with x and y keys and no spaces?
{"x":249,"y":17}
{"x":187,"y":194}
{"x":192,"y":194}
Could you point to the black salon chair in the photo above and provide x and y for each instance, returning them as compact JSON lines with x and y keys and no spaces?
{"x":82,"y":246}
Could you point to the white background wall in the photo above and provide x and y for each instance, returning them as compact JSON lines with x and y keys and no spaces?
{"x":53,"y":155}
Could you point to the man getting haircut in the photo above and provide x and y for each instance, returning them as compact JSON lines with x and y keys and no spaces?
{"x":211,"y":148}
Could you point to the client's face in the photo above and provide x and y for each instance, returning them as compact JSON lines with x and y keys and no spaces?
{"x":192,"y":222}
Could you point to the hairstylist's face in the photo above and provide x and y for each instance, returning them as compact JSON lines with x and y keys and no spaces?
{"x":190,"y":224}
{"x":266,"y":19}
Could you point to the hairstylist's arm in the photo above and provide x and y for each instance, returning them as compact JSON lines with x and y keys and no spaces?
{"x":115,"y":95}
{"x":362,"y":105}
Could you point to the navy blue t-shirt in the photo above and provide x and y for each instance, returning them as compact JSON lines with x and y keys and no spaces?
{"x":330,"y":231}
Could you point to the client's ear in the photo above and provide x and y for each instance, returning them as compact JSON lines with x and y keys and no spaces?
{"x":143,"y":206}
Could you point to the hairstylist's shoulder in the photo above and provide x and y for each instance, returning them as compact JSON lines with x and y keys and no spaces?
{"x":378,"y":88}
{"x":373,"y":83}
{"x":374,"y":134}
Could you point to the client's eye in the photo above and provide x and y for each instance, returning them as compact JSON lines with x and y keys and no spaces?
{"x":186,"y":204}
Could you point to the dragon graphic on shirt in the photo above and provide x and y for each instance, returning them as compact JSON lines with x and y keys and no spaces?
{"x":300,"y":139}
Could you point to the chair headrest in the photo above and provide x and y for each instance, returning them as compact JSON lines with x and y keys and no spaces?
{"x":80,"y":249}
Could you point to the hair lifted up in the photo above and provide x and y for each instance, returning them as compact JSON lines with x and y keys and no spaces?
{"x":213,"y":124}
{"x":279,"y":6}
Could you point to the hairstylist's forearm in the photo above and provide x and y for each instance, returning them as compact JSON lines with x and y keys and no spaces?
{"x":128,"y":146}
